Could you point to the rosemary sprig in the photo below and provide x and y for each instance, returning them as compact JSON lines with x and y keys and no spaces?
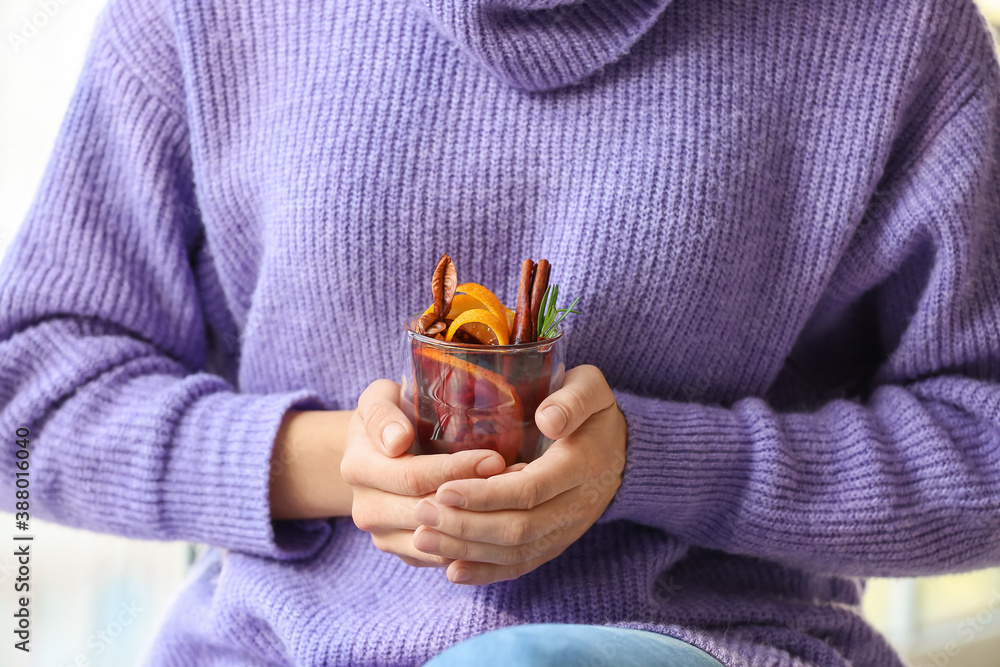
{"x":549,"y":317}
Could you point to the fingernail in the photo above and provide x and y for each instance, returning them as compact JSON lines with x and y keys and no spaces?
{"x":556,"y":417}
{"x":427,"y":541}
{"x":461,"y":574}
{"x":391,"y":434}
{"x":491,"y":465}
{"x":450,"y":498}
{"x":427,"y":514}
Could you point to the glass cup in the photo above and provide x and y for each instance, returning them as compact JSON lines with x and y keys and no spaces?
{"x":461,"y":396}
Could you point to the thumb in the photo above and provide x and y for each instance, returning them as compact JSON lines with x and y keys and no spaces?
{"x":385,"y":424}
{"x":585,"y":392}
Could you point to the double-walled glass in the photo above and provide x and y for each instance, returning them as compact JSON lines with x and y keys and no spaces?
{"x":462,"y":396}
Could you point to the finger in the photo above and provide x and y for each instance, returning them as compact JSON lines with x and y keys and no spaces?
{"x":376,"y":511}
{"x":428,"y":541}
{"x":538,"y":482}
{"x":502,"y":527}
{"x":386,"y":425}
{"x":413,"y":562}
{"x":503,"y":538}
{"x":400,"y":543}
{"x":470,"y":573}
{"x":585,"y":392}
{"x":410,"y":475}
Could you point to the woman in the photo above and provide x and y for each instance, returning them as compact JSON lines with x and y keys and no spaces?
{"x":781,"y":219}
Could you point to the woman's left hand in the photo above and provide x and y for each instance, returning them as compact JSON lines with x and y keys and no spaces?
{"x":503,"y":527}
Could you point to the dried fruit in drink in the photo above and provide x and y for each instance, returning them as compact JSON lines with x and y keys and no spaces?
{"x":534,"y":318}
{"x":473,"y":407}
{"x":443,"y":284}
{"x":483,"y":316}
{"x":488,"y":299}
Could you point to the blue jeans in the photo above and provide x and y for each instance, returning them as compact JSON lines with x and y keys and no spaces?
{"x":564,"y":645}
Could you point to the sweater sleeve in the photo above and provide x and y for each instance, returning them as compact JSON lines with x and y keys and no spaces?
{"x":902,"y":478}
{"x":102,"y":334}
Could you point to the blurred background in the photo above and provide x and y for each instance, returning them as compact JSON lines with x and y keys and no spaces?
{"x":96,"y":599}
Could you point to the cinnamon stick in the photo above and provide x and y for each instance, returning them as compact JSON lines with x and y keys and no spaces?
{"x":538,"y":285}
{"x":522,"y":329}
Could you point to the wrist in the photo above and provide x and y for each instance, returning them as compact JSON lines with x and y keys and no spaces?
{"x":305,"y":480}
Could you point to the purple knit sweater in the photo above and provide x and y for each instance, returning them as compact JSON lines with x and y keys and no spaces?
{"x":782,"y":218}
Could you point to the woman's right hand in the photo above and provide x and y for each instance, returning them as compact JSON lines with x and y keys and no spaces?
{"x":387,"y":482}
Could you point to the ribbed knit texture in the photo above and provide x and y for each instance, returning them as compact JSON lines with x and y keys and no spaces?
{"x":782,"y":219}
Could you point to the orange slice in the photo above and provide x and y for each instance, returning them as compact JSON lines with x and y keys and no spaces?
{"x":488,"y":299}
{"x":460,"y":304}
{"x":475,"y":408}
{"x":484,"y":316}
{"x":464,"y":302}
{"x":481,"y":332}
{"x":467,"y":370}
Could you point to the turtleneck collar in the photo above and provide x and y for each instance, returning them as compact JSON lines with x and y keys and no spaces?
{"x":543,"y":44}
